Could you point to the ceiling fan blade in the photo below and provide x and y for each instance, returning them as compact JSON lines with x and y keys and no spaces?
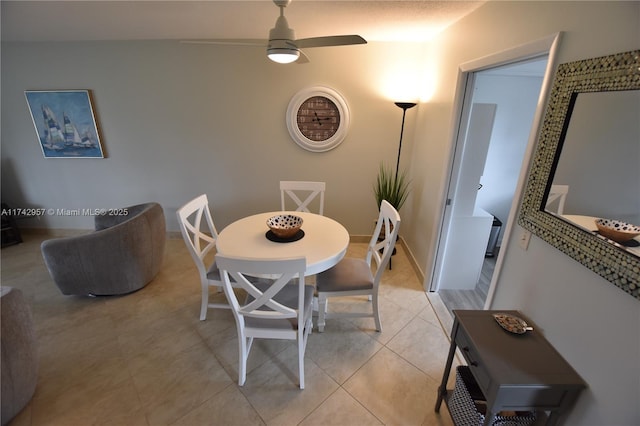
{"x":342,"y":40}
{"x":302,"y":59}
{"x":230,"y":42}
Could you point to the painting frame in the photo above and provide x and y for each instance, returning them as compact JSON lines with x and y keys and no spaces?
{"x":65,"y":123}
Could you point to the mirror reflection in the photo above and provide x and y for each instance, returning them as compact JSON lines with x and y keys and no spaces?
{"x":598,"y":169}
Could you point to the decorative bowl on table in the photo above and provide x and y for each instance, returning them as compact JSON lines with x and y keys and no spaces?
{"x":284,"y":225}
{"x":616,"y":230}
{"x":512,"y":323}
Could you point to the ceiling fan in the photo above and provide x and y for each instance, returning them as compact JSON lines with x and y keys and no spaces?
{"x":282,"y":46}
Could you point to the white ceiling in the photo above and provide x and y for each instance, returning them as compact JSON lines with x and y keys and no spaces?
{"x":375,"y":20}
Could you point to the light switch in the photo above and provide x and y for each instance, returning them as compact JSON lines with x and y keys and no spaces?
{"x":525,"y":236}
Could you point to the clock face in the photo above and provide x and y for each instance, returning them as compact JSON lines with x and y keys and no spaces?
{"x":318,"y":118}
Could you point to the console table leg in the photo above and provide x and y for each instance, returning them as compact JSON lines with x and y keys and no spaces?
{"x":442,"y":390}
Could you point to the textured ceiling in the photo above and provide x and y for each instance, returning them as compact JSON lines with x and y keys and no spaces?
{"x":138,"y":20}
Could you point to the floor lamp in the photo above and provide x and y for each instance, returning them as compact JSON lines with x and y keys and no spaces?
{"x":405,"y":106}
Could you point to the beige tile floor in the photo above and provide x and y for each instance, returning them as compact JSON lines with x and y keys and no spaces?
{"x":146,"y":359}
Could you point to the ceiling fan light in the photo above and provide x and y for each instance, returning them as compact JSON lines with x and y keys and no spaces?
{"x":283,"y":56}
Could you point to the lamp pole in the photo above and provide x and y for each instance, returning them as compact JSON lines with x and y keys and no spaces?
{"x":405,"y":106}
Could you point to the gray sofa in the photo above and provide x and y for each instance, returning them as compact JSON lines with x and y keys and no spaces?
{"x":19,"y":353}
{"x":123,"y":254}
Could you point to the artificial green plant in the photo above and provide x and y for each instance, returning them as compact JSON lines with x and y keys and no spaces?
{"x":391,"y":187}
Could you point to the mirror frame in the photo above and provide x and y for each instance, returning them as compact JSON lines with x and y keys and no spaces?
{"x":604,"y":257}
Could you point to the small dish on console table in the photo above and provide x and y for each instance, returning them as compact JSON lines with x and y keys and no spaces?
{"x":512,"y":323}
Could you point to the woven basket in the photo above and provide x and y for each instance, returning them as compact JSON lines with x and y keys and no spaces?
{"x":464,"y":409}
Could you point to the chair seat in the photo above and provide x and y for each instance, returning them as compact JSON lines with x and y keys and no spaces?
{"x":288,"y":296}
{"x":349,"y":274}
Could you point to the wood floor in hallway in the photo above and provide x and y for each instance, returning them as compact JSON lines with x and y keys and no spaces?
{"x":471,"y":299}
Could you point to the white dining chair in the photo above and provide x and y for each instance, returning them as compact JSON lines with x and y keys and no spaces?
{"x":294,"y":190}
{"x":558,"y":195}
{"x":278,"y":307}
{"x":200,"y":237}
{"x":354,"y":276}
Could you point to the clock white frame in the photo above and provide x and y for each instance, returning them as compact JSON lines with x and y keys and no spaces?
{"x":292,"y":119}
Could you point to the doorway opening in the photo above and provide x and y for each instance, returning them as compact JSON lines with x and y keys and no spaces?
{"x":502,"y":107}
{"x":499,"y":99}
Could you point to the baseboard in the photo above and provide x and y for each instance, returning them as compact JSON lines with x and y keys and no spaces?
{"x":359,"y":239}
{"x":413,"y":262}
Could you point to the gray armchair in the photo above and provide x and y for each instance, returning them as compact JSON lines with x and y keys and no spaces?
{"x":123,"y":254}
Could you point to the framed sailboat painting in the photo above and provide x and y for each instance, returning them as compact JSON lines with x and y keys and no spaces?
{"x":64,"y":123}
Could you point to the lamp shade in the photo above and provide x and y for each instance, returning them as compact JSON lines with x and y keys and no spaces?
{"x":405,"y":105}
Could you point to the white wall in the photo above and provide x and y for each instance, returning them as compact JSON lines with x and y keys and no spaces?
{"x":591,"y":322}
{"x":516,"y":98}
{"x":179,"y":120}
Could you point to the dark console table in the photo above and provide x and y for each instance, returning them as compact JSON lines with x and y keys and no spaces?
{"x":515,"y":372}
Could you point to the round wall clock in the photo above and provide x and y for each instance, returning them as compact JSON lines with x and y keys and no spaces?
{"x":318,"y":118}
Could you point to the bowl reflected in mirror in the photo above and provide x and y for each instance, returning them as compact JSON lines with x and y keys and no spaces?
{"x":284,"y":225}
{"x":617,"y":230}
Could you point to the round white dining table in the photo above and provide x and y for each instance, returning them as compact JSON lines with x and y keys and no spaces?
{"x":324,"y":243}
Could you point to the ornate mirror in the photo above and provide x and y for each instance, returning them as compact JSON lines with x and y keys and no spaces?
{"x":586,"y":166}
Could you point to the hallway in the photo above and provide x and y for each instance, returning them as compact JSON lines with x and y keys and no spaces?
{"x":471,"y":299}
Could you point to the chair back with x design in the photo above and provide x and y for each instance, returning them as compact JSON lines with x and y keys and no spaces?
{"x":295,"y":190}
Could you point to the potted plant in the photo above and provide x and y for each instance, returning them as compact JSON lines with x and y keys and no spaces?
{"x":390,"y":187}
